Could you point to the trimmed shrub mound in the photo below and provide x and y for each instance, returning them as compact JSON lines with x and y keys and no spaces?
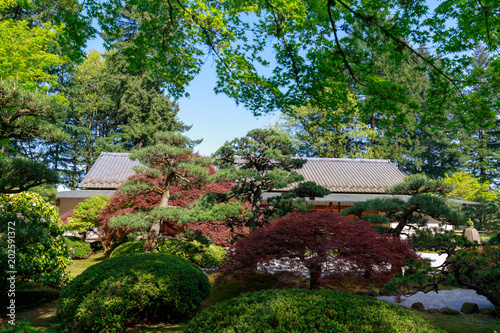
{"x":203,"y":256}
{"x":307,"y":311}
{"x":77,"y":248}
{"x":129,"y":289}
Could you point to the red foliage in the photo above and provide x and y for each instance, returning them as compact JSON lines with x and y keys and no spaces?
{"x":331,"y":248}
{"x":66,"y":216}
{"x":122,"y":204}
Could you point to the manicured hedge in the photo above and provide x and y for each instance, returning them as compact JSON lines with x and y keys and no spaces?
{"x":307,"y":311}
{"x":203,"y":256}
{"x":147,"y":287}
{"x":77,"y":247}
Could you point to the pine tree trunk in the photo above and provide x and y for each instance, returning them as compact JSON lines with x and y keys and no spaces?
{"x":152,"y":240}
{"x":154,"y":232}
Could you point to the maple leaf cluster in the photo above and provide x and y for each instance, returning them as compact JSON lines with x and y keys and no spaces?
{"x":122,"y":204}
{"x":333,"y":249}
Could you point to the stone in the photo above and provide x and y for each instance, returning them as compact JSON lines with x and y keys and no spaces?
{"x":469,"y":308}
{"x":432,"y":311}
{"x":471,"y":233}
{"x":418,"y":306}
{"x":372,"y":293}
{"x":448,"y":311}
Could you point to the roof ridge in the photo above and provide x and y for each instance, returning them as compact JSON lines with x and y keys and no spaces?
{"x":111,"y":153}
{"x":358,"y":160}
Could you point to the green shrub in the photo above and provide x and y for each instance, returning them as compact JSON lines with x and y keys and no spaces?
{"x":147,"y":287}
{"x":203,"y":256}
{"x":31,"y":226}
{"x":494,"y":240}
{"x":77,"y":247}
{"x":307,"y":311}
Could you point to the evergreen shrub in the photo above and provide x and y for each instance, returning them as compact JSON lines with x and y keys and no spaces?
{"x":77,"y":247}
{"x":494,"y":240}
{"x":203,"y":256}
{"x":300,"y":310}
{"x":130,"y":289}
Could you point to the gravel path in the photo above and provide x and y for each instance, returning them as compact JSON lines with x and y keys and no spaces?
{"x":452,"y":299}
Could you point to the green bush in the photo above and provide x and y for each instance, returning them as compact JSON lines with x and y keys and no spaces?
{"x":129,"y":289}
{"x":307,"y":311}
{"x":30,"y":236}
{"x":203,"y":256}
{"x":77,"y":247}
{"x":494,"y":240}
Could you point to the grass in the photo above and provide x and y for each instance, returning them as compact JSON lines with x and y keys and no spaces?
{"x":79,"y":266}
{"x":39,"y":303}
{"x":476,"y":323}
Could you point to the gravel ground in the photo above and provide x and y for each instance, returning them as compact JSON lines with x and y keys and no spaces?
{"x":453,"y":299}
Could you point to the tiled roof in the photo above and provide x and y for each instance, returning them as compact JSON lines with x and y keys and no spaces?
{"x":339,"y":175}
{"x":109,"y":171}
{"x":349,"y":175}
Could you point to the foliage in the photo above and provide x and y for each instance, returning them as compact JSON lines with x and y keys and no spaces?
{"x":121,"y":204}
{"x":20,"y":174}
{"x":259,"y":162}
{"x":77,"y":247}
{"x":467,"y":265}
{"x":27,"y":52}
{"x":26,"y":327}
{"x":169,"y":162}
{"x":315,"y":135}
{"x":47,"y":191}
{"x":319,"y":51}
{"x":307,"y":311}
{"x":112,"y":107}
{"x":413,"y":213}
{"x":202,"y":256}
{"x":147,"y":287}
{"x":467,"y":187}
{"x":485,"y":216}
{"x":31,"y":227}
{"x":494,"y":240}
{"x":23,"y":113}
{"x":85,"y":215}
{"x":321,"y":243}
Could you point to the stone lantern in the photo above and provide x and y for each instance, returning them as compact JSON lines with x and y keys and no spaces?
{"x":471,"y":233}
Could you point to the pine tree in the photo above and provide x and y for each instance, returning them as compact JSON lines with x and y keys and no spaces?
{"x":413,"y":214}
{"x":171,"y":160}
{"x":262,"y":161}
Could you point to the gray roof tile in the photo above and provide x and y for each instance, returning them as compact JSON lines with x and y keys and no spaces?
{"x":339,"y":175}
{"x":109,"y":171}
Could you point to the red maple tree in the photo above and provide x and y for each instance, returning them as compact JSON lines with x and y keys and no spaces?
{"x":123,"y":204}
{"x":326,"y":245}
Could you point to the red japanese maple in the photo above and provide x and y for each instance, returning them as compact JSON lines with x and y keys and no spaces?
{"x":122,"y":204}
{"x":326,"y":245}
